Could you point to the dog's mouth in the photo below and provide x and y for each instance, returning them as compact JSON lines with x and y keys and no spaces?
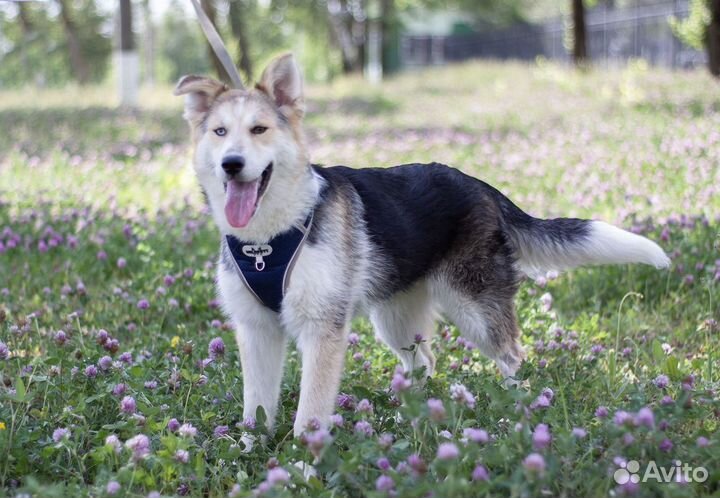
{"x":242,"y":198}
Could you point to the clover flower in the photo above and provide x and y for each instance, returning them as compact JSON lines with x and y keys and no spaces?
{"x":112,"y":487}
{"x":221,"y":430}
{"x":417,"y":464}
{"x":541,"y":437}
{"x":447,"y":451}
{"x":665,"y":445}
{"x":216,"y":348}
{"x":384,"y":483}
{"x":480,"y":473}
{"x":579,"y":432}
{"x":622,"y":418}
{"x":460,"y":394}
{"x":61,"y":434}
{"x":182,"y":456}
{"x":364,"y":428}
{"x":645,"y":417}
{"x":436,"y":409}
{"x":140,"y":447}
{"x":364,"y":406}
{"x":60,"y":337}
{"x":105,"y":363}
{"x":128,"y":405}
{"x":317,"y":440}
{"x":476,"y":435}
{"x":534,"y":462}
{"x":187,"y":431}
{"x":661,"y":381}
{"x":114,"y":442}
{"x":277,"y":475}
{"x":399,"y":382}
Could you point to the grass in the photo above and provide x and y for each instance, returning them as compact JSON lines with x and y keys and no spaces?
{"x":99,"y":215}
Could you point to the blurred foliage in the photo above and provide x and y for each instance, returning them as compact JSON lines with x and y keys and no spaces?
{"x":34,"y":47}
{"x":328,"y":35}
{"x":34,"y":42}
{"x":181,"y":46}
{"x":485,"y":12}
{"x":692,"y":31}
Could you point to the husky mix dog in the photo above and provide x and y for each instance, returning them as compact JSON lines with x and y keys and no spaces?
{"x":399,"y":244}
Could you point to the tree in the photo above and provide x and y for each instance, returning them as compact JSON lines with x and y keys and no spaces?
{"x":209,"y":8}
{"x":44,"y":45}
{"x":579,"y":38}
{"x":77,"y":58}
{"x":238,"y":25}
{"x":341,"y":22}
{"x":27,"y":33}
{"x":148,"y":44}
{"x":701,"y":30}
{"x":181,"y":45}
{"x":713,"y":38}
{"x":389,"y":25}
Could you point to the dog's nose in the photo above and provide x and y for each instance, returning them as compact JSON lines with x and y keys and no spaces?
{"x":233,"y":164}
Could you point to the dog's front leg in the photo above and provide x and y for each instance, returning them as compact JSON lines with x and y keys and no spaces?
{"x":322,"y":347}
{"x":262,"y":352}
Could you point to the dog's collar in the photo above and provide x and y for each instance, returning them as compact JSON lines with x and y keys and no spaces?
{"x":265,"y":268}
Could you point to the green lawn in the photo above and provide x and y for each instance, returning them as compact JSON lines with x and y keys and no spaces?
{"x":100,"y":216}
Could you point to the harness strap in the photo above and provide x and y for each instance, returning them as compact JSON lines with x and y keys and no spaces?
{"x":265,"y":269}
{"x":217,"y":45}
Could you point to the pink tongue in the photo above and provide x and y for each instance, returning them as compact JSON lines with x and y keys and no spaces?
{"x":240,"y":202}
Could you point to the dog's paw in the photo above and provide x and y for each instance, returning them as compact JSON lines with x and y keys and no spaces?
{"x":249,"y":441}
{"x":307,"y":470}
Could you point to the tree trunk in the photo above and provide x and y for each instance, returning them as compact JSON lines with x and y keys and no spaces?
{"x":127,"y":40}
{"x":239,"y":30}
{"x":24,"y":16}
{"x":713,"y":38}
{"x":209,"y":8}
{"x":27,"y":31}
{"x":77,"y":59}
{"x":388,"y":34}
{"x":342,"y":36}
{"x":580,"y":54}
{"x":149,"y":45}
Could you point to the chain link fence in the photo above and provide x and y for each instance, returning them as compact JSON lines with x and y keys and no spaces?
{"x":614,"y":35}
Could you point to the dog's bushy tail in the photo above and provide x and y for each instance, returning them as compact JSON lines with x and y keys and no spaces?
{"x":563,"y":243}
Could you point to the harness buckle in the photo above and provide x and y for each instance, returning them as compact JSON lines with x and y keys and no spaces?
{"x":257,"y":252}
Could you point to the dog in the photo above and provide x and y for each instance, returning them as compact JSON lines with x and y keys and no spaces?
{"x":399,"y":244}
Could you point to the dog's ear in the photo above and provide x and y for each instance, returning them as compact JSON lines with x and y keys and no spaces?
{"x":283,"y":83}
{"x":200,"y":92}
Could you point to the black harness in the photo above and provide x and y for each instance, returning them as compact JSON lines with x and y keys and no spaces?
{"x":265,"y":268}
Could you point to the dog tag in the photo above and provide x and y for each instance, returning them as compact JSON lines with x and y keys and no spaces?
{"x":257,"y":252}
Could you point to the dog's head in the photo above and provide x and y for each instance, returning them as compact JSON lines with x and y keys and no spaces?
{"x":248,"y":143}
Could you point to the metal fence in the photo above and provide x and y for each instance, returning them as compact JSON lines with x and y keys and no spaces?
{"x":613,"y":36}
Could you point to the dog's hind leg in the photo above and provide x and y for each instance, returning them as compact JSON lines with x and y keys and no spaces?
{"x":488,"y":320}
{"x":399,"y":321}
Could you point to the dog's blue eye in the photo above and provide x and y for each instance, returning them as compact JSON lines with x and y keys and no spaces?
{"x":220,"y":132}
{"x":258,"y":130}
